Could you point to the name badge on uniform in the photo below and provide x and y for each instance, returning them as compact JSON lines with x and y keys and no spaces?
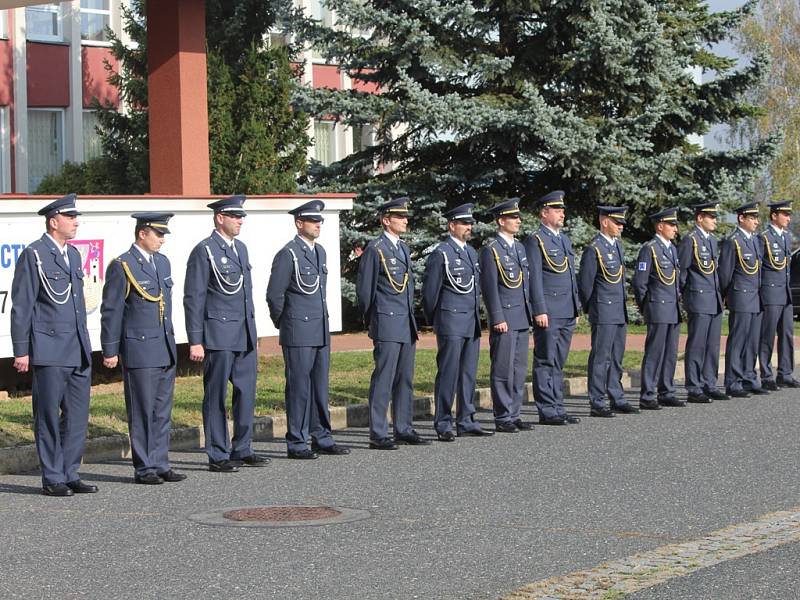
{"x":643,"y":266}
{"x":223,"y":260}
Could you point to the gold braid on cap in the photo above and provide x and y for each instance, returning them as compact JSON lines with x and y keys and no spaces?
{"x":140,"y":290}
{"x":700,"y":267}
{"x":778,"y":265}
{"x":612,"y":278}
{"x":557,"y":268}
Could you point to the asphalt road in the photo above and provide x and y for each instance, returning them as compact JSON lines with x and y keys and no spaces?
{"x":473,"y":519}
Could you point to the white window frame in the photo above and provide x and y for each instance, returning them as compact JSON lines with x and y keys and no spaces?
{"x":96,"y":11}
{"x":46,"y":7}
{"x":5,"y":151}
{"x":334,"y":142}
{"x":83,"y":133}
{"x":328,"y":20}
{"x":62,"y":158}
{"x":4,"y":24}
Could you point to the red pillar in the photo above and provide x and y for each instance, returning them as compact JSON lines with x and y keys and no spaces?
{"x":176,"y":60}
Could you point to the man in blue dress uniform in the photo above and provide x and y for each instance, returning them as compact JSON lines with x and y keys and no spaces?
{"x":221,"y":327}
{"x":298,"y":308}
{"x":136,"y":325}
{"x":656,"y":290}
{"x":740,"y":280}
{"x":601,"y":288}
{"x":385,"y":290}
{"x":504,"y":284}
{"x":451,"y":302}
{"x":698,"y":255}
{"x":50,"y":338}
{"x":776,"y":296}
{"x":555,"y":304}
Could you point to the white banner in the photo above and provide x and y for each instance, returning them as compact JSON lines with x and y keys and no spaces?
{"x":106,"y":231}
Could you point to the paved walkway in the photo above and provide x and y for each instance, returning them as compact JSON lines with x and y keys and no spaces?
{"x":478,"y":518}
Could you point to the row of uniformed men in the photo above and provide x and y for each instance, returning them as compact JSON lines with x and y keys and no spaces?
{"x":220,"y":325}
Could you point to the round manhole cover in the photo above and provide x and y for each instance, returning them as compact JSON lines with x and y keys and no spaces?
{"x":279,"y":516}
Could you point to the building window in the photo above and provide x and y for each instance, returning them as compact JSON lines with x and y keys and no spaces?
{"x":5,"y":152}
{"x":92,"y":146}
{"x":320,"y":12}
{"x":4,"y":24}
{"x":45,"y":144}
{"x":324,"y":142}
{"x":95,"y":17}
{"x":43,"y":22}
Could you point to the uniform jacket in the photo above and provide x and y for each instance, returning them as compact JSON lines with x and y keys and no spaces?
{"x":49,"y":333}
{"x":217,"y":320}
{"x":775,"y":251}
{"x":388,"y":311}
{"x":740,"y":287}
{"x":504,"y":303}
{"x":656,"y":266}
{"x":554,"y":289}
{"x":298,"y":308}
{"x":451,"y":290}
{"x":701,"y":290}
{"x":130,"y":325}
{"x":602,"y":300}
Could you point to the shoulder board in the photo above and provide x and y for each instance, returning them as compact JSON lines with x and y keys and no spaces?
{"x":491,"y":242}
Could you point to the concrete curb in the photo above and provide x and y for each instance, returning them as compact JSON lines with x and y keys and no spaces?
{"x":115,"y":447}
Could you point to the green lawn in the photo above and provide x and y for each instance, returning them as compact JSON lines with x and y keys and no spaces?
{"x":349,"y":384}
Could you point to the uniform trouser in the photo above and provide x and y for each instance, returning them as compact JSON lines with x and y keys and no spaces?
{"x":701,"y":358}
{"x":306,"y":393}
{"x":60,"y":417}
{"x":658,"y":363}
{"x":741,"y":350}
{"x":509,"y":365}
{"x":777,"y":320}
{"x":392,"y":383}
{"x":456,"y":368}
{"x":550,"y":350}
{"x":605,"y":364}
{"x":148,"y":402}
{"x":238,"y":367}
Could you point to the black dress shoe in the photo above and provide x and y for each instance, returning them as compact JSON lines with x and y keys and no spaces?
{"x":254,"y":460}
{"x":770,"y":386}
{"x":446,"y":436}
{"x":384,"y":444}
{"x":522,"y":425}
{"x":411,"y":439}
{"x":223,"y":466}
{"x":474,"y":432}
{"x":758,"y":391}
{"x":57,"y":489}
{"x":625,"y":409}
{"x":172,"y":476}
{"x":717,"y":395}
{"x":671,"y":402}
{"x":649,"y":405}
{"x":148,"y":479}
{"x":572,"y":420}
{"x":738,"y":394}
{"x":79,"y":487}
{"x":304,"y":454}
{"x":334,"y":450}
{"x":506,"y":427}
{"x":553,"y":421}
{"x":698,"y":399}
{"x":790,"y":383}
{"x":604,"y":412}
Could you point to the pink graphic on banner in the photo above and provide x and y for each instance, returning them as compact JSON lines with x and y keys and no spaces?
{"x":93,"y":271}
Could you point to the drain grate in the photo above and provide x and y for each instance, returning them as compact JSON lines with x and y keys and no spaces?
{"x":282,"y":514}
{"x":279,"y":516}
